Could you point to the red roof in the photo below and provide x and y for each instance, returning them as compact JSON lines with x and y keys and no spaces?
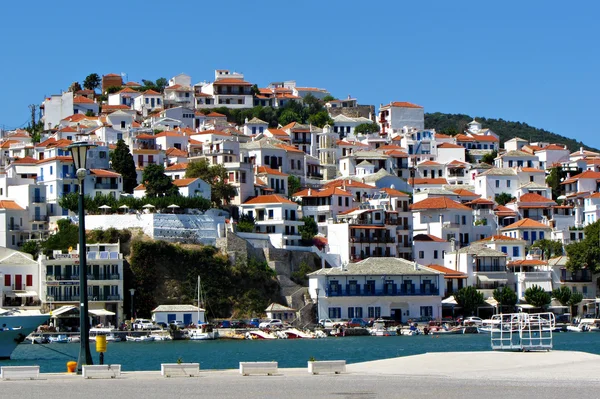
{"x":104,"y":173}
{"x":216,"y":115}
{"x":428,"y":181}
{"x":184,"y":182}
{"x":177,"y":166}
{"x":428,"y":237}
{"x":26,"y":160}
{"x":449,"y":145}
{"x":232,"y":81}
{"x":269,"y":199}
{"x":448,"y":273}
{"x":269,"y":171}
{"x":429,"y":163}
{"x":499,"y":238}
{"x":402,"y":104}
{"x":82,"y":100}
{"x":438,"y":203}
{"x":533,"y":197}
{"x":527,"y":262}
{"x":348,"y":183}
{"x":327,"y":192}
{"x":151,"y":93}
{"x":9,"y":204}
{"x":532,"y":170}
{"x":526,"y":223}
{"x":393,"y":193}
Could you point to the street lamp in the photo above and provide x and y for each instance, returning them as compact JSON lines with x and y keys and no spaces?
{"x":131,"y":291}
{"x":317,"y":291}
{"x":79,"y":152}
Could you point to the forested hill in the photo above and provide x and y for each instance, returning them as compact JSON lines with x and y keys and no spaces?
{"x":455,"y":123}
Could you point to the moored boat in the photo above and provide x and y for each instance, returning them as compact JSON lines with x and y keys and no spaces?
{"x":15,"y":325}
{"x":143,"y":338}
{"x":260,"y":334}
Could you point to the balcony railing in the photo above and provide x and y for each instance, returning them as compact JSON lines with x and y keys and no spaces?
{"x":92,"y":276}
{"x":38,"y":199}
{"x":67,"y":176}
{"x":301,"y":141}
{"x":39,"y":218}
{"x":106,"y":186}
{"x":385,"y":292}
{"x":376,"y":240}
{"x":75,"y":298}
{"x":576,"y":279}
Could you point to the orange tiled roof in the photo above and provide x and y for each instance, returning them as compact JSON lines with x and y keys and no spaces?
{"x":178,"y":166}
{"x":499,"y":238}
{"x":449,"y":145}
{"x":393,"y":193}
{"x":428,"y":237}
{"x":448,"y":273}
{"x":61,"y":158}
{"x":216,"y":115}
{"x":184,"y":182}
{"x":427,"y":181}
{"x":326,"y":192}
{"x":269,"y":171}
{"x":527,"y":262}
{"x":82,"y":100}
{"x":104,"y":173}
{"x":175,"y":152}
{"x":269,"y":199}
{"x":403,"y":104}
{"x":231,"y":81}
{"x":533,"y":197}
{"x":438,"y":203}
{"x":429,"y":163}
{"x":9,"y":204}
{"x":442,"y":136}
{"x":350,"y":183}
{"x":526,"y":223}
{"x":532,"y":170}
{"x":169,"y":133}
{"x":25,"y":160}
{"x":554,"y":147}
{"x":288,"y":148}
{"x":7,"y":143}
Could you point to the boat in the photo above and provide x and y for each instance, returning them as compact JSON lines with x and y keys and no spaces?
{"x":260,"y":334}
{"x":446,"y":330}
{"x":15,"y":325}
{"x":203,"y":331}
{"x":583,"y":325}
{"x":36,"y":339}
{"x":232,"y":335}
{"x":294,"y":333}
{"x":161,"y":337}
{"x":59,"y":339}
{"x":74,"y":339}
{"x":106,"y":331}
{"x":379,"y":329}
{"x":142,"y":338}
{"x":470,"y":330}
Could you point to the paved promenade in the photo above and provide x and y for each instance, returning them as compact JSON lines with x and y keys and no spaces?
{"x":444,"y":375}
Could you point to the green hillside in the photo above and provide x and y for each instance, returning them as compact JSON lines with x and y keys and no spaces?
{"x":455,"y":123}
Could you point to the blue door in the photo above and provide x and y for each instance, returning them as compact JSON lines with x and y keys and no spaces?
{"x":36,"y":195}
{"x":65,"y":171}
{"x":37,"y":213}
{"x":187,"y":319}
{"x":171,"y":317}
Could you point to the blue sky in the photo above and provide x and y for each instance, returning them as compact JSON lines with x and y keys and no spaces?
{"x":529,"y":61}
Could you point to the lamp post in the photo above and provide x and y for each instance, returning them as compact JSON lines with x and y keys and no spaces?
{"x":132,"y":291}
{"x":317,"y":290}
{"x":79,"y":152}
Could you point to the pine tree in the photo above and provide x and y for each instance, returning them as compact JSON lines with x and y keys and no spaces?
{"x":122,"y":162}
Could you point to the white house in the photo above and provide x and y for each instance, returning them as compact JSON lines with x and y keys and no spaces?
{"x":377,"y":287}
{"x":528,"y":230}
{"x":19,"y":279}
{"x":193,"y":187}
{"x":397,"y":115}
{"x":188,"y":314}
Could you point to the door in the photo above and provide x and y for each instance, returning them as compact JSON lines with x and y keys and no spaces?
{"x":36,"y":195}
{"x":106,"y":292}
{"x":396,"y":314}
{"x":171,"y":317}
{"x":187,"y":319}
{"x":65,"y":171}
{"x":18,"y":282}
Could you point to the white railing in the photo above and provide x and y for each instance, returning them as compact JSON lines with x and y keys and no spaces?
{"x":522,"y":331}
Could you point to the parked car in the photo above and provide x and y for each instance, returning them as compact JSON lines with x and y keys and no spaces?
{"x":273,"y":323}
{"x":357,"y":323}
{"x":328,"y":323}
{"x":238,"y":324}
{"x":254,"y":323}
{"x":178,"y":323}
{"x":143,"y":324}
{"x":224,"y":324}
{"x":473,"y":321}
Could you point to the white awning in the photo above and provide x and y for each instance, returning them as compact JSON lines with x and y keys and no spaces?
{"x":545,"y":285}
{"x":101,"y":312}
{"x":449,"y":301}
{"x":492,"y":302}
{"x":486,"y":279}
{"x":61,"y":310}
{"x":26,"y":294}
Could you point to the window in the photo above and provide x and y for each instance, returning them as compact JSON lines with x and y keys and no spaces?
{"x":51,"y":170}
{"x":7,"y":280}
{"x":464,"y":220}
{"x":270,"y":213}
{"x":497,"y":183}
{"x":435,"y":254}
{"x":504,"y":250}
{"x":335,"y":313}
{"x":347,"y":201}
{"x":531,"y":178}
{"x":102,"y":154}
{"x":526,"y":235}
{"x":541,"y":235}
{"x":421,"y":254}
{"x":508,"y":183}
{"x":374,"y":312}
{"x":29,"y":280}
{"x":426,"y":311}
{"x":339,"y":201}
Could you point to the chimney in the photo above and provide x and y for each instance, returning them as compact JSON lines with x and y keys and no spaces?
{"x":581,"y":150}
{"x":309,"y":191}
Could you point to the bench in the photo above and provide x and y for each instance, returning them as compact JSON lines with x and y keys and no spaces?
{"x":268,"y":368}
{"x":327,"y":366}
{"x":19,"y":372}
{"x":180,"y":369}
{"x":101,"y":370}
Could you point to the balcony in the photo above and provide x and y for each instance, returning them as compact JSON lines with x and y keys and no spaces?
{"x":92,"y":276}
{"x":382,"y":292}
{"x":106,"y":186}
{"x":376,"y":240}
{"x":38,"y":199}
{"x":39,"y":218}
{"x":301,"y":141}
{"x":75,"y":298}
{"x":67,"y":176}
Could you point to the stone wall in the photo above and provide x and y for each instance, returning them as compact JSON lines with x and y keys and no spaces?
{"x":364,"y":111}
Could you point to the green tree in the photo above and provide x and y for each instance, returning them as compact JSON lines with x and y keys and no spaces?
{"x":92,"y":81}
{"x":328,"y":98}
{"x":161,"y":83}
{"x":575,"y":300}
{"x":555,"y":177}
{"x":585,"y":253}
{"x":300,"y":276}
{"x":503,"y":198}
{"x":308,"y":230}
{"x":366,"y":128}
{"x":32,"y":248}
{"x":320,"y":119}
{"x":113,"y":89}
{"x":254,"y":90}
{"x":288,"y":116}
{"x":66,"y":237}
{"x":246,"y":224}
{"x":550,"y":248}
{"x":506,"y":297}
{"x":89,"y":112}
{"x":122,"y":162}
{"x":215,"y":175}
{"x":75,"y":86}
{"x":562,"y":295}
{"x":537,"y":297}
{"x":469,"y":299}
{"x":489,"y":157}
{"x":157,"y":183}
{"x":294,"y":185}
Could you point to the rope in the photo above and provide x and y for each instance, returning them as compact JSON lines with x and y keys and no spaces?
{"x":57,"y":351}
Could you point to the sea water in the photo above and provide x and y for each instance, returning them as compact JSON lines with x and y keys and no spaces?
{"x":226,"y":354}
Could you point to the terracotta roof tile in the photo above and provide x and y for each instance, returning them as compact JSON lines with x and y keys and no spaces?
{"x":449,"y":145}
{"x":104,"y":173}
{"x":25,"y":160}
{"x":533,"y":197}
{"x":269,"y":171}
{"x":82,"y":100}
{"x":448,"y":273}
{"x":440,"y":181}
{"x":9,"y":204}
{"x":269,"y":199}
{"x":402,"y":104}
{"x":438,"y":203}
{"x":184,"y":182}
{"x":526,"y":223}
{"x":428,"y":238}
{"x":393,"y":193}
{"x":327,"y":192}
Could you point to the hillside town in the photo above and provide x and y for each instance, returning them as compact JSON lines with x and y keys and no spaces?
{"x":402,"y":216}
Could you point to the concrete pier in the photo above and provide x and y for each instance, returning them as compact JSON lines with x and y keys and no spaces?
{"x":446,"y":375}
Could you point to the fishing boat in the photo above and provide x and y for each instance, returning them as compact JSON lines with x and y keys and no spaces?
{"x":15,"y":325}
{"x":203,"y":331}
{"x":161,"y":337}
{"x":260,"y":334}
{"x":294,"y":333}
{"x":143,"y":338}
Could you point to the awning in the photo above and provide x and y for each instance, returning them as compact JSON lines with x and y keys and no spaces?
{"x":26,"y":294}
{"x":449,"y":301}
{"x":486,"y":279}
{"x":61,"y":310}
{"x":545,"y":285}
{"x":101,"y":312}
{"x":492,"y":302}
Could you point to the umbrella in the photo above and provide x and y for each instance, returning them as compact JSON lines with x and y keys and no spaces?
{"x":148,"y":206}
{"x":105,"y":207}
{"x":173,"y":206}
{"x":123,"y":207}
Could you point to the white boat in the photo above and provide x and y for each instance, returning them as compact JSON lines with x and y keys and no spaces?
{"x":293,"y":333}
{"x":161,"y":337}
{"x":143,"y":338}
{"x":36,"y":339}
{"x":107,"y":331}
{"x":59,"y":339}
{"x":204,"y":331}
{"x":260,"y":334}
{"x":15,"y":325}
{"x":380,"y":330}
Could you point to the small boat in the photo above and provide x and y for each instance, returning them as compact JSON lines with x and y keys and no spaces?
{"x":202,"y":333}
{"x":143,"y":338}
{"x":379,"y":329}
{"x":320,"y":334}
{"x":74,"y":339}
{"x":470,"y":330}
{"x":259,"y":334}
{"x":584,"y":325}
{"x":232,"y":335}
{"x":294,"y":333}
{"x":36,"y":339}
{"x":161,"y":337}
{"x":107,"y":331}
{"x":59,"y":339}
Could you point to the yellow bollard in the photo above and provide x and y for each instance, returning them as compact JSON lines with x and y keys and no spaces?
{"x":101,"y":346}
{"x":71,"y":367}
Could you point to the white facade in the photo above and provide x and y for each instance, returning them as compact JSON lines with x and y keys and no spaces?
{"x":187,"y":314}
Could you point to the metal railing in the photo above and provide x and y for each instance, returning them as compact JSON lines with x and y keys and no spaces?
{"x":381,"y":292}
{"x":106,"y":186}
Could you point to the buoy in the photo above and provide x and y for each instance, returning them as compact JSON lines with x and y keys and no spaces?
{"x":71,"y":366}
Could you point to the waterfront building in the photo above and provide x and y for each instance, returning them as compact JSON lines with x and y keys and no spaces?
{"x":188,"y":314}
{"x":377,"y":287}
{"x":19,"y":280}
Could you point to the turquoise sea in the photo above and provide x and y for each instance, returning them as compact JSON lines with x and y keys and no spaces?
{"x":225,"y":354}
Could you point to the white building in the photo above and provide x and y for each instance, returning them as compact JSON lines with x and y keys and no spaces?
{"x":377,"y":287}
{"x":188,"y":314}
{"x":19,"y":279}
{"x":397,"y":115}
